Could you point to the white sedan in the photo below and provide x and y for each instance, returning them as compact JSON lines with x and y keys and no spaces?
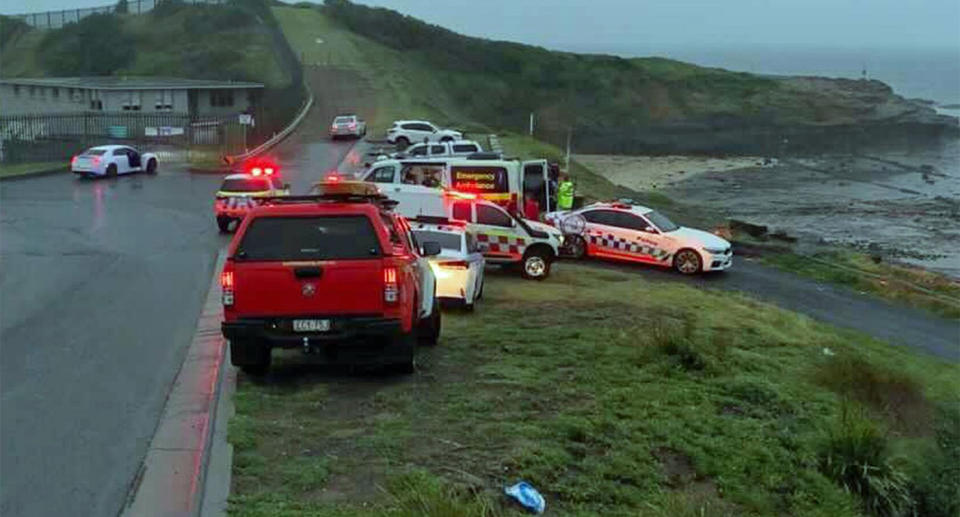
{"x":459,"y":266}
{"x":624,"y":231}
{"x":112,"y":160}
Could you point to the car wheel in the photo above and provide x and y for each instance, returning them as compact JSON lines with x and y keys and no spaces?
{"x":536,"y":265}
{"x":406,"y":359}
{"x":429,"y":331}
{"x":223,"y":223}
{"x":403,"y":142}
{"x":152,"y":166}
{"x":577,"y":247}
{"x":112,"y":170}
{"x":251,"y":357}
{"x":687,"y":262}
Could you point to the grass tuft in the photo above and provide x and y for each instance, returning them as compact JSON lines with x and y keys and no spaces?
{"x":856,"y":455}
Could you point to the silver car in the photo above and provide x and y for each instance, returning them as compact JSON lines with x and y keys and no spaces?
{"x":349,"y":126}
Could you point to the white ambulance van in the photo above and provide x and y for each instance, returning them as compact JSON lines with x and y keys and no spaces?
{"x":508,"y":183}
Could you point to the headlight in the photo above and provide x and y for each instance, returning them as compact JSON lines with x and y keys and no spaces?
{"x":715,"y":251}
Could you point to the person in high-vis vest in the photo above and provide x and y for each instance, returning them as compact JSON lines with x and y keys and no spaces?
{"x":565,"y":194}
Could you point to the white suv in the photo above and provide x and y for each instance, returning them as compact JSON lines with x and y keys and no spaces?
{"x":448,"y":149}
{"x":406,"y":132}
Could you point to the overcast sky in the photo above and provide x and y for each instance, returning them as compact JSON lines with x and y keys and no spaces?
{"x":647,"y":26}
{"x":668,"y":24}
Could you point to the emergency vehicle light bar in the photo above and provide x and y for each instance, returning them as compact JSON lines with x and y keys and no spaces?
{"x":434,"y":219}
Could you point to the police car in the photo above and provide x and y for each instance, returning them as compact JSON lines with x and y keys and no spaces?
{"x":505,"y":239}
{"x":112,"y":160}
{"x":622,"y":230}
{"x":240,"y":193}
{"x":459,"y":266}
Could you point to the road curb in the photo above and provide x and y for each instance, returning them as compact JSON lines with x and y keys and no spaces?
{"x":33,"y":174}
{"x":173,"y":476}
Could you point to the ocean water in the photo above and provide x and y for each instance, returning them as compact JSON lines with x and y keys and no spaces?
{"x":932,"y":74}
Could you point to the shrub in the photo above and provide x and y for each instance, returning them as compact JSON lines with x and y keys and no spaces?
{"x":855,"y":454}
{"x":96,"y":45}
{"x":936,"y":486}
{"x":894,"y":394}
{"x":11,"y":28}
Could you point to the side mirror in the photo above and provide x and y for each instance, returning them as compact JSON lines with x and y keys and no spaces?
{"x":650,"y":229}
{"x":431,"y":248}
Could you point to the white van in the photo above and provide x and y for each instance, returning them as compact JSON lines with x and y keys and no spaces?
{"x":508,"y":183}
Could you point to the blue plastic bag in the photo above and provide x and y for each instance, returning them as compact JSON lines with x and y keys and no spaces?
{"x":527,"y":496}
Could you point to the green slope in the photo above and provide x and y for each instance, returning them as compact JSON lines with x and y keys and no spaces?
{"x":403,"y":87}
{"x":626,"y":105}
{"x":194,"y":41}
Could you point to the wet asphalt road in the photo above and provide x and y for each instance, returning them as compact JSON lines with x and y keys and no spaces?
{"x":839,"y":306}
{"x":101,"y":285}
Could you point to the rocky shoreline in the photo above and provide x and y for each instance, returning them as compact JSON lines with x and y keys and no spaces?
{"x":901,"y":204}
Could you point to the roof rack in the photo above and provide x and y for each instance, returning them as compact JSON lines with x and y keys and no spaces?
{"x":485,"y":155}
{"x":379,"y":199}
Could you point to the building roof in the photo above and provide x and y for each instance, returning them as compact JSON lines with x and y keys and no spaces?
{"x":129,"y":83}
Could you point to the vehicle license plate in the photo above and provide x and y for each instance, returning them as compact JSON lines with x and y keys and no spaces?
{"x":311,"y":325}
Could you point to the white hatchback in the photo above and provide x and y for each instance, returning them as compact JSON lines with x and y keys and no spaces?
{"x":459,"y":266}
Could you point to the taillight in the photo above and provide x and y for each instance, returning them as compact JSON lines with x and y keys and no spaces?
{"x":268,"y":171}
{"x":353,"y":125}
{"x":227,"y":286}
{"x":96,"y":160}
{"x":391,"y":291}
{"x":454,"y":264}
{"x":256,"y":171}
{"x":73,"y":161}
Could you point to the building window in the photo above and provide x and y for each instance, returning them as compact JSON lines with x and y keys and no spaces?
{"x":131,"y":101}
{"x":164,"y":100}
{"x":56,"y":93}
{"x":33,"y":91}
{"x":221,"y":98}
{"x":95,"y":103}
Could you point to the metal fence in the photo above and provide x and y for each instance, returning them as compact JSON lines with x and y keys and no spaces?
{"x":53,"y":137}
{"x":57,"y":19}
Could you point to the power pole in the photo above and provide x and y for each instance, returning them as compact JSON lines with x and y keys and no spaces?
{"x":567,"y":158}
{"x":531,"y":123}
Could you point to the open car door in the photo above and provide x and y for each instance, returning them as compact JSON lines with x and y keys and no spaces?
{"x":536,"y":183}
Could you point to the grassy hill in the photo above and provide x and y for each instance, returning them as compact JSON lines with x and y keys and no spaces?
{"x":195,"y":41}
{"x":617,"y":104}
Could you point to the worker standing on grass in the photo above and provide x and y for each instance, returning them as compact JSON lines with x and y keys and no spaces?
{"x":565,"y":193}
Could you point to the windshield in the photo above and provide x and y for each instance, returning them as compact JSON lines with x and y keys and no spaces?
{"x":309,"y":238}
{"x":661,"y":221}
{"x":95,"y":152}
{"x":343,"y":120}
{"x":245,"y":185}
{"x":447,"y":241}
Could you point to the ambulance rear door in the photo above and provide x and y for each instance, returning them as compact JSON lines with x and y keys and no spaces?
{"x":536,"y":182}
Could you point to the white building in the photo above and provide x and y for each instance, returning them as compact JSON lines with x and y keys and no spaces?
{"x":196,"y":97}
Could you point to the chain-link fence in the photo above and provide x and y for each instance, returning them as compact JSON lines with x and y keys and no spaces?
{"x":46,"y":138}
{"x":57,"y":19}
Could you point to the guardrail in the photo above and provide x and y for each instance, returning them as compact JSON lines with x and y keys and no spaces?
{"x":277,"y":138}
